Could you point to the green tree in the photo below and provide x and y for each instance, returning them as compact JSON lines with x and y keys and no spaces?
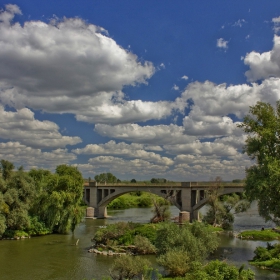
{"x":6,"y":168}
{"x":192,"y":242}
{"x":59,"y":204}
{"x":17,"y":194}
{"x":128,"y":267}
{"x":106,"y":178}
{"x":262,"y":183}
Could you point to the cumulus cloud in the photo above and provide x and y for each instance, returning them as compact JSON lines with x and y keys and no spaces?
{"x":222,"y":43}
{"x":199,"y":167}
{"x":213,"y":104}
{"x":264,"y":65}
{"x":71,"y":66}
{"x":201,"y":148}
{"x":122,"y":166}
{"x":23,"y":127}
{"x":124,"y":150}
{"x":158,"y":134}
{"x":34,"y":158}
{"x":185,"y":77}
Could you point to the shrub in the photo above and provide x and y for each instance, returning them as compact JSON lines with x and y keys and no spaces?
{"x":143,"y":245}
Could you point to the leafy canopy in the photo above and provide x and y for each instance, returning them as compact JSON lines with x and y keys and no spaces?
{"x":262,"y":183}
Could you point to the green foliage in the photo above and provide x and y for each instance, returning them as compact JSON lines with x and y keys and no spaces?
{"x":133,"y":200}
{"x":268,"y":257}
{"x":58,"y":204}
{"x":266,"y":234}
{"x":17,"y":194}
{"x":128,"y":267}
{"x":39,"y":202}
{"x":6,"y":169}
{"x":195,"y":240}
{"x":106,"y":178}
{"x":263,"y":178}
{"x":158,"y":180}
{"x":10,"y":233}
{"x":37,"y":227}
{"x":218,"y":270}
{"x":119,"y":232}
{"x":175,"y":261}
{"x":222,"y":208}
{"x":148,"y":230}
{"x":144,"y":245}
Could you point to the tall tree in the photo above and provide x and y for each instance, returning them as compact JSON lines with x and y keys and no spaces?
{"x":59,"y":204}
{"x":262,"y":183}
{"x":6,"y":168}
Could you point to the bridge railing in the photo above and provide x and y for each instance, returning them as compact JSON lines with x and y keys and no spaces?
{"x":167,"y":184}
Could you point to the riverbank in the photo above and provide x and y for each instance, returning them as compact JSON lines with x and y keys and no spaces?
{"x":263,"y":234}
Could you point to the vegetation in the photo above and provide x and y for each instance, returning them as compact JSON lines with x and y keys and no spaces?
{"x":106,"y":178}
{"x":39,"y":202}
{"x":266,"y":234}
{"x":268,"y":257}
{"x":127,"y":267}
{"x":158,"y":180}
{"x":136,"y":199}
{"x":180,"y":250}
{"x":222,"y":208}
{"x":262,"y":145}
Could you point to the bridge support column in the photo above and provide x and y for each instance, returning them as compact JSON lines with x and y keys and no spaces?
{"x":91,"y":197}
{"x":195,"y":215}
{"x":186,"y":202}
{"x":102,"y":212}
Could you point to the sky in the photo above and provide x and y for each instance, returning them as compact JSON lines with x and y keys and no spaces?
{"x":142,"y":89}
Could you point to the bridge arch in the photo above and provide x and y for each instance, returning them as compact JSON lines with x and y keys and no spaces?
{"x":186,"y":196}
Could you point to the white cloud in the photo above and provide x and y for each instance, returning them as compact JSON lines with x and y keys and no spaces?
{"x":36,"y":70}
{"x":124,"y":150}
{"x":21,"y":154}
{"x":121,"y":166}
{"x":201,"y":148}
{"x":199,"y":167}
{"x":276,"y":22}
{"x":239,"y":23}
{"x":155,"y":135}
{"x":222,"y":43}
{"x":175,"y":87}
{"x":23,"y":127}
{"x":264,"y":65}
{"x":185,"y":77}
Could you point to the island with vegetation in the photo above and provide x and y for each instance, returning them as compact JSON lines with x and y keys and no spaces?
{"x":180,"y":250}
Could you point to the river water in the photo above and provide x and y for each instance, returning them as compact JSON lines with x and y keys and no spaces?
{"x":57,"y":257}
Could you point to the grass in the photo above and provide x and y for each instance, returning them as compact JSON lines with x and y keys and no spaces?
{"x":267,"y":234}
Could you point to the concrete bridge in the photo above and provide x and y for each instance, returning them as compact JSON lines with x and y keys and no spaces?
{"x":188,"y":197}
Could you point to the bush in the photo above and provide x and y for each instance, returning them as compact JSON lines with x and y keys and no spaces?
{"x":128,"y":267}
{"x":143,"y":245}
{"x":175,"y":261}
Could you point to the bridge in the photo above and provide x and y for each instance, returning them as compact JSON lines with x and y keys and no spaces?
{"x":188,"y":197}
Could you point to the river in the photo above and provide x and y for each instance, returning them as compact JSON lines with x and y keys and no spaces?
{"x":57,"y":257}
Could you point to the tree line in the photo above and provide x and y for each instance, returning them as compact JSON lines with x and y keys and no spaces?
{"x":39,"y":202}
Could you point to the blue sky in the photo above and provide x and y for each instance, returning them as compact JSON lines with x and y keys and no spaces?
{"x":141,"y":89}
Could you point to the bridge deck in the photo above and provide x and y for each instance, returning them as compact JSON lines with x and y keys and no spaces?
{"x":169,"y":185}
